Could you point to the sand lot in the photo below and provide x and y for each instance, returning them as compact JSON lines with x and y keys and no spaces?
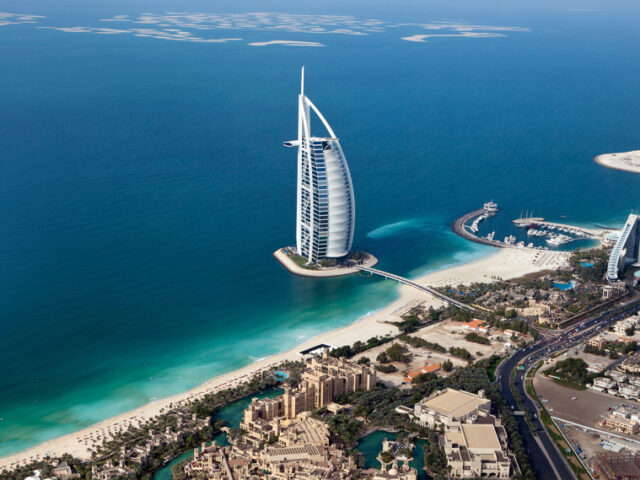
{"x":448,"y":334}
{"x":592,"y":360}
{"x":589,"y":407}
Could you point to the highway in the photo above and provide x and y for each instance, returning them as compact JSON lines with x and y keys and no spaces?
{"x":552,"y":464}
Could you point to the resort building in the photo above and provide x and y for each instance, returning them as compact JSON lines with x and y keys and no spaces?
{"x":64,"y":471}
{"x":626,"y":249}
{"x":299,"y":448}
{"x":399,"y":467}
{"x":478,"y":450}
{"x":444,"y":407}
{"x":613,"y":290}
{"x":325,"y":379}
{"x":241,"y":461}
{"x":325,"y":218}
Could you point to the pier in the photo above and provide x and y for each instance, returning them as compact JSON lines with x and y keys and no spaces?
{"x":422,"y":288}
{"x":459,"y":227}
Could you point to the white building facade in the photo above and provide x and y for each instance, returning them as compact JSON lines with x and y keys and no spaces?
{"x":325,"y":216}
{"x":626,"y":250}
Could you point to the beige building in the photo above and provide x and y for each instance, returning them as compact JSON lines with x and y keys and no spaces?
{"x":621,"y":326}
{"x":444,"y":407}
{"x":620,"y":424}
{"x":534,"y":309}
{"x":598,"y":342}
{"x":299,"y":449}
{"x":631,"y":364}
{"x":477,"y":450}
{"x":64,"y":471}
{"x":325,"y":379}
{"x":612,"y":290}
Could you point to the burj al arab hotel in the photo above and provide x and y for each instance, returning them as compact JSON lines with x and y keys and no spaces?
{"x":325,"y":217}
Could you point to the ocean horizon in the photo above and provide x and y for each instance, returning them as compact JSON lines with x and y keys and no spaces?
{"x":145,"y":183}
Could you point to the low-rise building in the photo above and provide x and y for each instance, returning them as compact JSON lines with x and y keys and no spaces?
{"x":598,"y":341}
{"x":444,"y":407}
{"x":619,"y":377}
{"x":629,"y":391}
{"x":620,"y":328}
{"x":620,"y":424}
{"x":613,"y":290}
{"x":477,"y":450}
{"x":434,"y":368}
{"x":64,"y":471}
{"x":602,"y":384}
{"x":512,"y":333}
{"x":473,"y":325}
{"x":534,"y":309}
{"x":631,"y":365}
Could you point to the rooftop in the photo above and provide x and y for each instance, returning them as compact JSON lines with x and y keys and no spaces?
{"x":426,"y":369}
{"x":455,"y":402}
{"x":473,"y":323}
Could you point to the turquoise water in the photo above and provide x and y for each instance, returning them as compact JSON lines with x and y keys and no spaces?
{"x":586,"y":264}
{"x":145,"y":187}
{"x":564,"y":286}
{"x":371,"y":445}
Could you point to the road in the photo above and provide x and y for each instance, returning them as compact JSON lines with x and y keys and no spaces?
{"x":546,"y":466}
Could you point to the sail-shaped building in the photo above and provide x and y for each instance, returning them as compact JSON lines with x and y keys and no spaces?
{"x":325,"y":215}
{"x":626,"y":250}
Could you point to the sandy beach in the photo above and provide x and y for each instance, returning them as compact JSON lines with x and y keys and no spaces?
{"x":503,"y":263}
{"x":627,"y":161}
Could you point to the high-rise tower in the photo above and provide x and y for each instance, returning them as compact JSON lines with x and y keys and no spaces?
{"x":325,"y":217}
{"x":626,"y":250}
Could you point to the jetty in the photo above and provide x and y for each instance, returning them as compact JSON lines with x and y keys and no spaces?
{"x":461,"y":227}
{"x":467,"y":227}
{"x":417,"y":286}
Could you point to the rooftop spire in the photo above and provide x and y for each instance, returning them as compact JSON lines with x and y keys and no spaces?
{"x":302,"y":82}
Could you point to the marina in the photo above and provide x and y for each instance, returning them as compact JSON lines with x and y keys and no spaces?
{"x":553,"y":234}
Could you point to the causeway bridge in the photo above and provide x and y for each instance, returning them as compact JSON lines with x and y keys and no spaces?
{"x":422,"y":288}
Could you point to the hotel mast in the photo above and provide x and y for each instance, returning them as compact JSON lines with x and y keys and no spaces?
{"x":325,"y":216}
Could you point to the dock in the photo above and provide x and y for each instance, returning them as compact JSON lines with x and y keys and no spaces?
{"x":459,"y":226}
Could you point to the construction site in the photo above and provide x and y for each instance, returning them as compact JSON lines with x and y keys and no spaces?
{"x":617,"y":466}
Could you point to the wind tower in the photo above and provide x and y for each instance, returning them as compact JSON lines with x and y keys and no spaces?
{"x":325,"y":211}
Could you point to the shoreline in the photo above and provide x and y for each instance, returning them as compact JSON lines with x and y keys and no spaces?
{"x":288,"y":263}
{"x":502,"y":263}
{"x":624,"y":161}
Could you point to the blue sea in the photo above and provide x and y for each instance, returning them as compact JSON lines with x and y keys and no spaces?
{"x":144,"y":184}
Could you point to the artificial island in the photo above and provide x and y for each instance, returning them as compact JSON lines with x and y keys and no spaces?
{"x":325,"y":204}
